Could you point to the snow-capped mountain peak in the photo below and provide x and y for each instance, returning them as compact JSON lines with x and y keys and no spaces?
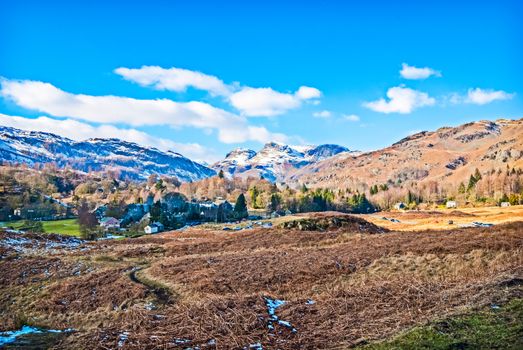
{"x":274,"y":160}
{"x":96,"y":154}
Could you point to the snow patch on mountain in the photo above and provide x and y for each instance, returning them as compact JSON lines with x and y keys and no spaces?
{"x":274,"y":160}
{"x":130,"y":159}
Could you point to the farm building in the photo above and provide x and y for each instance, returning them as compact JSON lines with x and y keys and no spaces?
{"x":155,"y":227}
{"x":452,"y":204}
{"x":110,"y":223}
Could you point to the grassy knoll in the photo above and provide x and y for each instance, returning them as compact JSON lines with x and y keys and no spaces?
{"x":492,"y":328}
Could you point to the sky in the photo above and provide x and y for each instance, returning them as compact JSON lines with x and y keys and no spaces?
{"x":202,"y":77}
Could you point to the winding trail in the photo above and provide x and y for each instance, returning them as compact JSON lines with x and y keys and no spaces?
{"x":162,"y":295}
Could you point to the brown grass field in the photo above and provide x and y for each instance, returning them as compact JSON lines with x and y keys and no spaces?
{"x":346,"y":283}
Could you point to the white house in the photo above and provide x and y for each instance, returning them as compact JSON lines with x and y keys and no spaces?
{"x":155,"y":227}
{"x":504,"y":204}
{"x":452,"y":204}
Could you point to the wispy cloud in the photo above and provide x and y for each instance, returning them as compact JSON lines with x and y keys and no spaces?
{"x":174,"y":79}
{"x":480,"y":96}
{"x":322,"y":114}
{"x":79,"y":131}
{"x":415,"y":73}
{"x":401,"y":100}
{"x":249,"y":101}
{"x":46,"y":98}
{"x":351,"y":117}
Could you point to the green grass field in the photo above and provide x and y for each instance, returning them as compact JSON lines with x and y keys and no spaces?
{"x":499,"y":328}
{"x":68,"y":227}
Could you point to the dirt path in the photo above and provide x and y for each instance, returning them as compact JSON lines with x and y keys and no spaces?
{"x":162,"y":295}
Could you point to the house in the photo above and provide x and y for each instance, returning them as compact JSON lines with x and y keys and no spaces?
{"x":155,"y":227}
{"x":225,"y":210}
{"x":452,"y":204}
{"x":110,"y":223}
{"x":275,"y":215}
{"x":400,"y":206}
{"x":504,"y":204}
{"x":208,"y":211}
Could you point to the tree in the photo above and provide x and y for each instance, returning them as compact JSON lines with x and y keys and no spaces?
{"x":159,"y":185}
{"x":275,"y":202}
{"x":409,"y":198}
{"x":240,"y":208}
{"x":220,"y":174}
{"x":360,"y":204}
{"x":472,"y":183}
{"x":156,"y":211}
{"x":477,"y":175}
{"x":115,"y":209}
{"x":254,"y":193}
{"x":87,"y":221}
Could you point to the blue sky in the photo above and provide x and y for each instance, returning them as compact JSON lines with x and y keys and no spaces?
{"x":205,"y":77}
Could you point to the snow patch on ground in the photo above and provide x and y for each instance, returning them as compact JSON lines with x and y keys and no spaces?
{"x":272,"y":305}
{"x":122,"y":338}
{"x":11,"y":336}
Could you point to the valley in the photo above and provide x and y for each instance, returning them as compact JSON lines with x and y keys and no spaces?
{"x":261,"y":175}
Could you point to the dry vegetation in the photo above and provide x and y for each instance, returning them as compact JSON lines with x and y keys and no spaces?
{"x":202,"y":287}
{"x":440,"y":219}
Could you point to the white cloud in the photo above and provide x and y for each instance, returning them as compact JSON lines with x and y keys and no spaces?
{"x":80,"y":131}
{"x":322,"y":114}
{"x":174,"y":79}
{"x":352,"y":117}
{"x":401,"y":100}
{"x":306,"y":93}
{"x":415,"y":73}
{"x":480,"y":97}
{"x":267,"y":102}
{"x":46,"y":98}
{"x":250,"y":101}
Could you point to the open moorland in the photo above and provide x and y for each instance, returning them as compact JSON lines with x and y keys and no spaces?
{"x":444,"y":219}
{"x":320,"y":281}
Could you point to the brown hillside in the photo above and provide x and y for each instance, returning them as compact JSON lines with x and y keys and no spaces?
{"x":447,"y":155}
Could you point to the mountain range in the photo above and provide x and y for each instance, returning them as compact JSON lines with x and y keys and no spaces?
{"x":129,"y":159}
{"x":449,"y":154}
{"x":275,"y":160}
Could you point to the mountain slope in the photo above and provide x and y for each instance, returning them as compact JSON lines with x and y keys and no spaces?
{"x":447,"y":155}
{"x":130,"y":159}
{"x":274,"y":160}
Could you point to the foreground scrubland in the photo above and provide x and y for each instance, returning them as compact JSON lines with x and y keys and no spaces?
{"x":325,"y":281}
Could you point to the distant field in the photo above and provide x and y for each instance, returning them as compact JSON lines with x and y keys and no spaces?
{"x":68,"y":227}
{"x":444,"y":219}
